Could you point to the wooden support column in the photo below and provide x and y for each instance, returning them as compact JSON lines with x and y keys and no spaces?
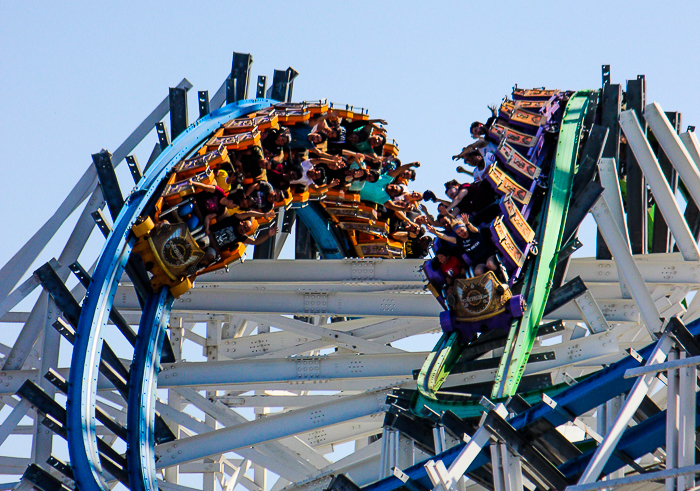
{"x":636,"y":185}
{"x":611,"y":105}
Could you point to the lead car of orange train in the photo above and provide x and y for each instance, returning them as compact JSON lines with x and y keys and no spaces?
{"x":169,"y":239}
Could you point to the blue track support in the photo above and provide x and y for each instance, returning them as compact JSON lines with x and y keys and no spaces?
{"x":315,"y":220}
{"x":140,"y":419}
{"x":578,"y":399}
{"x":82,"y":388}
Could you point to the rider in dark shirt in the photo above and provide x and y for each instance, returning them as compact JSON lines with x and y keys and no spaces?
{"x":260,"y":193}
{"x":276,"y":139}
{"x":418,"y":247}
{"x":476,"y":244}
{"x":229,"y":232}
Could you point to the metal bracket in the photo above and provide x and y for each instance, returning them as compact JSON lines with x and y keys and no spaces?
{"x":261,"y":86}
{"x":411,"y":484}
{"x":363,"y":270}
{"x":108,"y":182}
{"x":134,"y":168}
{"x":240,"y":72}
{"x":61,"y":467}
{"x":568,"y":249}
{"x":591,"y":313}
{"x":315,"y":303}
{"x":163,"y":138}
{"x":55,"y":420}
{"x":203,"y":100}
{"x":564,"y":294}
{"x":545,"y":470}
{"x":308,"y":368}
{"x":101,"y":222}
{"x":114,"y":315}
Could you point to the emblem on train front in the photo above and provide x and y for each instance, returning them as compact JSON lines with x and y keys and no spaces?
{"x":177,"y":251}
{"x":477,"y":297}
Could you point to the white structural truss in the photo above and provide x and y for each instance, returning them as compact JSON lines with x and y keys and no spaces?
{"x":282,"y":367}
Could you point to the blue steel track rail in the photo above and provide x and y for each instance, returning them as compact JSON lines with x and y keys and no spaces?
{"x":316,"y":221}
{"x":143,"y":382}
{"x":578,"y":399}
{"x":82,"y":389}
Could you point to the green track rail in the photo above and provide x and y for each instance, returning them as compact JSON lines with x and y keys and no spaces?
{"x":522,"y":336}
{"x":537,"y":283}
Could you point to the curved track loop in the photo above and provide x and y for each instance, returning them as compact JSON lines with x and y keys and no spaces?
{"x":140,"y":438}
{"x":82,"y":438}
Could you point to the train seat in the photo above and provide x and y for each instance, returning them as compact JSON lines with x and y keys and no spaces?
{"x":380,"y":248}
{"x":378,"y":229}
{"x":540,"y":94}
{"x":174,"y":192}
{"x":511,"y":255}
{"x":239,"y":141}
{"x":349,"y":112}
{"x":362,"y":212}
{"x":290,"y":117}
{"x":242,"y":125}
{"x":521,"y":141}
{"x":514,"y":161}
{"x":504,"y":184}
{"x":522,"y":232}
{"x":190,"y":167}
{"x":391,"y":149}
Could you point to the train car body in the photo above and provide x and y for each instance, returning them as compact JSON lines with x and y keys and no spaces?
{"x":538,"y":133}
{"x":169,"y":236}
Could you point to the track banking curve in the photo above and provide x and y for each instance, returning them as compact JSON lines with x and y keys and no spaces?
{"x":140,"y":456}
{"x":82,"y":391}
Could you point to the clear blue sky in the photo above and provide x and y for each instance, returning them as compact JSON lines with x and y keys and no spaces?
{"x":80,"y":76}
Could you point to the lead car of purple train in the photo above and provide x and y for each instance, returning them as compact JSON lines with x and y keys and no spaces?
{"x":484,"y":303}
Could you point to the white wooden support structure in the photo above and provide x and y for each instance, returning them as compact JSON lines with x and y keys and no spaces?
{"x":439,"y":439}
{"x":234,"y":329}
{"x":687,"y":388}
{"x":675,"y":150}
{"x":386,"y":304}
{"x":13,"y":419}
{"x":444,"y":479}
{"x":637,"y":479}
{"x":634,"y":399}
{"x":661,"y":367}
{"x":672,"y":422}
{"x":610,"y":411}
{"x":591,"y":313}
{"x":663,"y":195}
{"x":622,"y":255}
{"x":275,"y":427}
{"x":692,"y":145}
{"x":13,"y":270}
{"x":390,"y":452}
{"x":506,"y":467}
{"x":607,"y":171}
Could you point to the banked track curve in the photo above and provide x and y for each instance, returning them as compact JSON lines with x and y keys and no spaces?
{"x":82,"y":437}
